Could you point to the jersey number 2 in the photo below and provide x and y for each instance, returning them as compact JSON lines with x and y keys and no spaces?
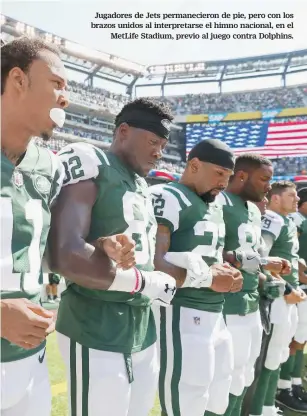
{"x":73,"y":169}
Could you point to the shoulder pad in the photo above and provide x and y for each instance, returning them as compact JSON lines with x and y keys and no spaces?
{"x":82,"y":161}
{"x":168,"y":202}
{"x":272,"y":223}
{"x":58,"y":174}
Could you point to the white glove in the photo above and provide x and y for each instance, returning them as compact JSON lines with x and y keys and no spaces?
{"x":158,"y":286}
{"x":198,"y":272}
{"x":250,"y":260}
{"x":274,"y":289}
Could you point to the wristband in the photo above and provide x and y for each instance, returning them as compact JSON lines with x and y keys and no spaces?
{"x":130,"y":281}
{"x":264,"y":261}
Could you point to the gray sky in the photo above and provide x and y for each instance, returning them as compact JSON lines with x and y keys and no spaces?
{"x":74,"y":23}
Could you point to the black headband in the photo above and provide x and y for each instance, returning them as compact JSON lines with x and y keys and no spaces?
{"x":146,"y":121}
{"x":213,"y":151}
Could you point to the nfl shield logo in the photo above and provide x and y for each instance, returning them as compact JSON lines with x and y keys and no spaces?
{"x":196,"y":320}
{"x":18,"y":178}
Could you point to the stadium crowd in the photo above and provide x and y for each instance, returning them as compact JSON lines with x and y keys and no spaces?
{"x":239,"y":101}
{"x":100,"y":97}
{"x":199,"y":103}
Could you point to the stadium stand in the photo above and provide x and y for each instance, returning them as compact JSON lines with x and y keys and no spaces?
{"x":290,"y":97}
{"x":239,"y":101}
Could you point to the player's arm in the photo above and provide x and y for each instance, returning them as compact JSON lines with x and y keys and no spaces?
{"x":163,"y":241}
{"x":69,"y":253}
{"x":275,"y":265}
{"x":86,"y":265}
{"x":194,"y":271}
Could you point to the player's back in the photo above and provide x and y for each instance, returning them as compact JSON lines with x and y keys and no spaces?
{"x":243,"y":232}
{"x":122,"y":206}
{"x":195,"y":227}
{"x":27,"y":191}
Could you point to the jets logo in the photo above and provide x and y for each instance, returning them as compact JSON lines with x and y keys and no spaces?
{"x":42,"y":184}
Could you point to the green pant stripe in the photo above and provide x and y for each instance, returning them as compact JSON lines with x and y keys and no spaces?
{"x":73,"y":379}
{"x":85,"y":380}
{"x":163,"y":359}
{"x":177,"y":360}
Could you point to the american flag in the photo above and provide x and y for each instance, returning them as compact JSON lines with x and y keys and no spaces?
{"x":267,"y":138}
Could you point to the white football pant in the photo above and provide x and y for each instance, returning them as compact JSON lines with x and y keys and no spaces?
{"x":98,"y":381}
{"x":25,"y":387}
{"x":246,"y":332}
{"x":196,"y":361}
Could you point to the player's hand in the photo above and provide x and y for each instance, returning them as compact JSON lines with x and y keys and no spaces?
{"x":119,"y":248}
{"x":24,"y":323}
{"x":273,"y":289}
{"x":159,"y":286}
{"x":226,"y":278}
{"x":286,"y":267}
{"x":277,"y":265}
{"x":248,"y":260}
{"x":296,"y":296}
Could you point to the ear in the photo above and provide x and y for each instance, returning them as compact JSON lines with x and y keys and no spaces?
{"x":123,"y":129}
{"x":194,"y":165}
{"x":275,"y":198}
{"x":18,"y":79}
{"x":242,"y":176}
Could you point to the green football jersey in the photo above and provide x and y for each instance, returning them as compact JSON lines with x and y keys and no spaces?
{"x":301,"y":224}
{"x":243,"y":231}
{"x":285,"y":245}
{"x":100,"y":319}
{"x":27,"y":192}
{"x":195,"y":227}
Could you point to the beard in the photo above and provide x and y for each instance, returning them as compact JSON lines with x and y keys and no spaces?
{"x":208,"y":197}
{"x":249,"y":193}
{"x":46,"y":135}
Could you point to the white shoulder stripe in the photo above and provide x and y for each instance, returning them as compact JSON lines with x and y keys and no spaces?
{"x":180,"y":193}
{"x":223,"y":199}
{"x":102,"y":153}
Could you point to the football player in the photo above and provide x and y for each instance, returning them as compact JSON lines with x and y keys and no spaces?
{"x":107,"y":333}
{"x":195,"y":347}
{"x":280,"y":236}
{"x":33,"y":94}
{"x":265,"y":302}
{"x":33,"y":89}
{"x":243,"y":244}
{"x":291,"y":373}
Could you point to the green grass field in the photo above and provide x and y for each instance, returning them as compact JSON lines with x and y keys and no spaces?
{"x":58,"y":377}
